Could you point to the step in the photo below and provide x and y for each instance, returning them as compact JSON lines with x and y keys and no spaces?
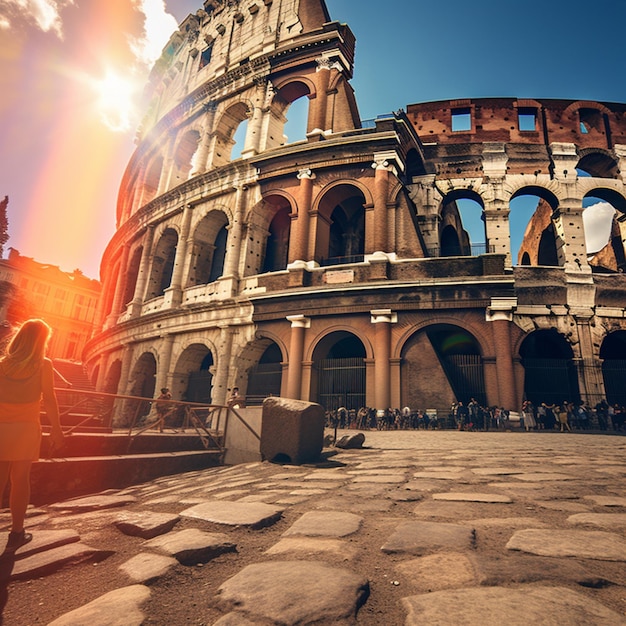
{"x":67,"y":477}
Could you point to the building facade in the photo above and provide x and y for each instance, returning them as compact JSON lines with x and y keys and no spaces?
{"x":338,"y":268}
{"x":68,"y":301}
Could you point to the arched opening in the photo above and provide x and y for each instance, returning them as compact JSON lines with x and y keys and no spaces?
{"x":163,"y":264}
{"x":143,"y":382}
{"x":550,"y":373}
{"x":341,"y":229}
{"x":265,"y":378}
{"x":603,"y":230}
{"x":613,"y":356}
{"x":598,"y":165}
{"x":277,"y":246}
{"x":132,"y":273}
{"x":239,"y":140}
{"x":289,"y":115}
{"x":471,"y":227}
{"x":297,"y":115}
{"x":225,"y":140}
{"x":533,"y":237}
{"x":208,"y":253}
{"x":339,"y":371}
{"x":152,"y":179}
{"x":450,"y":244}
{"x":193,"y":376}
{"x":184,"y":155}
{"x":442,"y":364}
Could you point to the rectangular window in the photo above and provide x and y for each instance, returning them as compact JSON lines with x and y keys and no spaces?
{"x":205,"y":57}
{"x":461,"y":120}
{"x":527,"y":119}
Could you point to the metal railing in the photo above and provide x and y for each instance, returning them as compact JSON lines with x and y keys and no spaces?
{"x":91,"y":411}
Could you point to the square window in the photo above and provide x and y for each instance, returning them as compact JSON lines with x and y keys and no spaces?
{"x":461,"y":120}
{"x":527,"y":119}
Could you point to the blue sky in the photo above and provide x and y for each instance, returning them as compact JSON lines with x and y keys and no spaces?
{"x":62,"y":166}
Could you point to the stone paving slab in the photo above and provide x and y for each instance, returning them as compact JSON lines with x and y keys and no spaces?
{"x":294,"y":593}
{"x":391,"y":479}
{"x":434,"y":572}
{"x":599,"y":545}
{"x":421,"y":537}
{"x":314,"y":546}
{"x":496,"y":471}
{"x":192,"y":546}
{"x":146,"y":524}
{"x":605,"y":520}
{"x":121,"y":607}
{"x":44,"y":540}
{"x":495,"y":606}
{"x":540,"y":477}
{"x":491,"y":498}
{"x":91,"y":503}
{"x":253,"y":514}
{"x":52,"y":560}
{"x":325,"y":524}
{"x":146,"y":567}
{"x":607,"y":501}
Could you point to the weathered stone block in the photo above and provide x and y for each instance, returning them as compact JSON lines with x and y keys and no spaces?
{"x":292,"y":431}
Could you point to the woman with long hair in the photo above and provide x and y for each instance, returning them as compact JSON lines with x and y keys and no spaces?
{"x":26,"y":376}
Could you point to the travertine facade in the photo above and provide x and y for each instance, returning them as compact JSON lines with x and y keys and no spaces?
{"x":336,"y":268}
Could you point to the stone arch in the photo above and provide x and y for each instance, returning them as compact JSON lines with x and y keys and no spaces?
{"x":132,"y":274}
{"x":152,"y":179}
{"x":208,"y":249}
{"x":598,"y":163}
{"x":550,"y":374}
{"x":539,"y":243}
{"x":338,"y":373}
{"x":162,"y":263}
{"x":613,"y":357}
{"x":340,"y":224}
{"x":225,"y":130}
{"x":441,"y":363}
{"x":279,"y":230}
{"x":142,"y":384}
{"x":186,"y":148}
{"x":193,"y":374}
{"x":454,"y":240}
{"x":265,"y":377}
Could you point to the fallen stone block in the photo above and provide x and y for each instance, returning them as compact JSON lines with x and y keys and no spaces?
{"x":351,"y":442}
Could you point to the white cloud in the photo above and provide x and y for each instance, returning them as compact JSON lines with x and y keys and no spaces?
{"x":45,"y":13}
{"x":598,"y":220}
{"x":158,"y":27}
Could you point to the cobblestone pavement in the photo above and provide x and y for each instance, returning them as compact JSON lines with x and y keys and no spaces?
{"x":418,"y":527}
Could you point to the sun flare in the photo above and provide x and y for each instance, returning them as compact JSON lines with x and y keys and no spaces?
{"x":116,"y":96}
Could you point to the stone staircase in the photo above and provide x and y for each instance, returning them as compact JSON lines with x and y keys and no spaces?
{"x":92,"y":462}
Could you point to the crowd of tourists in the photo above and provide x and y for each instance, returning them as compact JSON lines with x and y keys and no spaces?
{"x":545,"y":416}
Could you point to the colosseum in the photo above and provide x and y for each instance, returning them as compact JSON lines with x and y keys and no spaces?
{"x":338,"y":266}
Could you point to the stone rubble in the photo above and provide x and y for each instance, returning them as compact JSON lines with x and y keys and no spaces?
{"x":480,"y":529}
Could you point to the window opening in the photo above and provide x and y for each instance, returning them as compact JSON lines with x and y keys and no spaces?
{"x":527,"y":120}
{"x":461,"y":120}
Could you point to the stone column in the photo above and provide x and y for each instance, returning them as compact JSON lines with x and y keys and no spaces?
{"x":299,"y":240}
{"x":299,"y":323}
{"x":120,"y":286}
{"x":202,"y":155}
{"x":233,"y":254}
{"x":163,"y":378}
{"x":377,"y":227}
{"x":222,"y":370}
{"x":144,"y":270}
{"x":175,"y":289}
{"x":383,"y":319}
{"x":500,"y":314}
{"x":590,"y":378}
{"x":320,"y":103}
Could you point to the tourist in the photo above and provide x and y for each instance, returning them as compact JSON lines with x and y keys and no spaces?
{"x":26,"y":376}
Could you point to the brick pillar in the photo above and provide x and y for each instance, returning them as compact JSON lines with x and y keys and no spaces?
{"x":299,"y":240}
{"x":500,"y":314}
{"x":381,"y":189}
{"x":320,"y":103}
{"x":383,"y":319}
{"x":299,"y":323}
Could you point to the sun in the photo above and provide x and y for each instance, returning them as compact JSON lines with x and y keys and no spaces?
{"x":116,"y":96}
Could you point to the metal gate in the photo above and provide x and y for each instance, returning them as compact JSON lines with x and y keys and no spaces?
{"x":614,"y":374}
{"x":199,"y":387}
{"x":550,"y":380}
{"x":466,"y":376}
{"x":264,"y":380}
{"x":341,"y":382}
